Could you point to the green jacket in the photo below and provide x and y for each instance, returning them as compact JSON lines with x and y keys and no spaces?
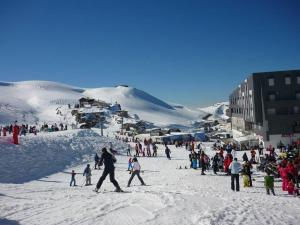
{"x":269,"y":181}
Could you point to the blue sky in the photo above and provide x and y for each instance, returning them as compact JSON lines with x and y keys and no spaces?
{"x":188,"y":52}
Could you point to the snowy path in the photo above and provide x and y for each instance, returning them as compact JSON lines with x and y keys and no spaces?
{"x":173,"y":197}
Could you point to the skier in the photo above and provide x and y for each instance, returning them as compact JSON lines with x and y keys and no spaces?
{"x":148,"y":150}
{"x":130,"y":163}
{"x":194,"y":161}
{"x":109,"y":159}
{"x":168,"y":151}
{"x":128,"y":150}
{"x":216,"y":163}
{"x":154,"y":147}
{"x":247,"y":171}
{"x":15,"y":133}
{"x":96,"y":161}
{"x":73,"y":178}
{"x":235,"y":168}
{"x":202,"y":160}
{"x":136,"y":168}
{"x":137,"y":150}
{"x":88,"y":174}
{"x":269,"y":183}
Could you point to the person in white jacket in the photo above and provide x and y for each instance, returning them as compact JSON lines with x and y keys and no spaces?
{"x":235,"y":168}
{"x":136,"y":168}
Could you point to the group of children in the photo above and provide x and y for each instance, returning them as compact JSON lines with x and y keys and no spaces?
{"x":133,"y":166}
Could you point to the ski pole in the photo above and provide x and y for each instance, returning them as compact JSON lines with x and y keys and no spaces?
{"x":84,"y":179}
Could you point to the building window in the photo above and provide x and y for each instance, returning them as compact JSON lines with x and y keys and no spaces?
{"x":271,"y":81}
{"x":296,"y":109}
{"x":271,"y":111}
{"x":298,"y":95}
{"x":287,"y":80}
{"x":272,"y":97}
{"x":298,"y":80}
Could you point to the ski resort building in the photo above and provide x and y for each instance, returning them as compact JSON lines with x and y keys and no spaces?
{"x":268,"y":104}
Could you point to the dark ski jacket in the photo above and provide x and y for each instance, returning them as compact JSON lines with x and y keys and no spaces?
{"x":96,"y":158}
{"x":108,"y":159}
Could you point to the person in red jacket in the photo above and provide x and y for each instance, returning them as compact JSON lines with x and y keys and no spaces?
{"x":15,"y":133}
{"x":284,"y":176}
{"x":227,"y":161}
{"x":292,"y":171}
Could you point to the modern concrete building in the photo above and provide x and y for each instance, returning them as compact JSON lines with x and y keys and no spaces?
{"x":268,"y":104}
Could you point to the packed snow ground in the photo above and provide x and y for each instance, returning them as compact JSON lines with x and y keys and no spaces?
{"x":173,"y":196}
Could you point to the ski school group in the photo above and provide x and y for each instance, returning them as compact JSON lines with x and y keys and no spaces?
{"x":108,"y":159}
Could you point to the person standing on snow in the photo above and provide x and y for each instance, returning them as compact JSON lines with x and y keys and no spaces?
{"x":202,"y":161}
{"x":168,"y":151}
{"x":235,"y":168}
{"x":128,"y":153}
{"x":136,"y":168}
{"x":216,"y":163}
{"x":88,"y":175}
{"x":269,"y":183}
{"x":137,"y":152}
{"x":73,"y":178}
{"x":97,"y":161}
{"x":16,"y":131}
{"x":109,"y":159}
{"x":154,"y":147}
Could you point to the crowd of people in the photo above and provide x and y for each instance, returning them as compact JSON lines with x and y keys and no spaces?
{"x":54,"y":127}
{"x":22,"y":129}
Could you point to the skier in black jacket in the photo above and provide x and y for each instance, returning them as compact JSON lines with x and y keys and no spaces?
{"x":109,"y":159}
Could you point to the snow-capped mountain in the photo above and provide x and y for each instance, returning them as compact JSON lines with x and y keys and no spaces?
{"x":38,"y":101}
{"x":217,"y":111}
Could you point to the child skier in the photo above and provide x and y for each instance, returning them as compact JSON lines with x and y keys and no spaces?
{"x":88,"y":174}
{"x":130,"y":163}
{"x":96,"y":161}
{"x":168,"y":151}
{"x":269,"y":183}
{"x":136,"y":168}
{"x":73,"y":178}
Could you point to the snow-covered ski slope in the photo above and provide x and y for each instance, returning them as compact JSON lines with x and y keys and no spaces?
{"x":217,"y":111}
{"x":37,"y":101}
{"x":48,"y":153}
{"x":173,"y":196}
